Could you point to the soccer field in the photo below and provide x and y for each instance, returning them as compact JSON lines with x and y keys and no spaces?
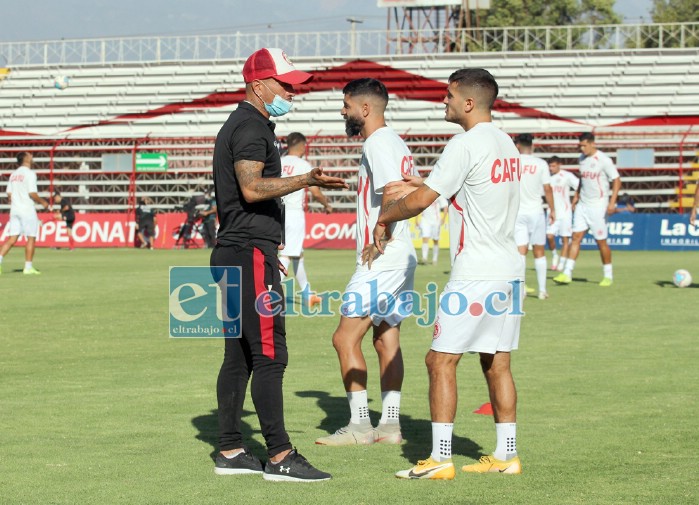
{"x":98,"y":405}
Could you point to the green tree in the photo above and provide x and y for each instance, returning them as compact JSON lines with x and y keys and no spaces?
{"x":548,"y":13}
{"x":533,"y":13}
{"x":673,"y":34}
{"x":675,"y":11}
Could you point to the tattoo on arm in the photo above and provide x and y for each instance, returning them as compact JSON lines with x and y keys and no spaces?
{"x":256,"y":188}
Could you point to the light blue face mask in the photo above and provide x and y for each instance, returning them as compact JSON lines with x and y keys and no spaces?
{"x":278,"y":107}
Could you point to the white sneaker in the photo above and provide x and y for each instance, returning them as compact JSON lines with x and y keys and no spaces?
{"x":543,"y":295}
{"x":352,"y":434}
{"x":388,"y":434}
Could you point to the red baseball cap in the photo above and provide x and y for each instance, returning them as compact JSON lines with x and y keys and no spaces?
{"x":273,"y":62}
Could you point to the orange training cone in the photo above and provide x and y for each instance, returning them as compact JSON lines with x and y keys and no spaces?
{"x":486,"y":409}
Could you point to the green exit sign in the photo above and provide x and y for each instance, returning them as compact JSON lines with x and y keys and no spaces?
{"x":151,"y":162}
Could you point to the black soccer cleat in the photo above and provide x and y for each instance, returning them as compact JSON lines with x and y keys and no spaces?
{"x":294,"y":468}
{"x":243,"y":463}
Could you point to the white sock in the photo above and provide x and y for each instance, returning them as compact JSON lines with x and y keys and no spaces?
{"x":0,"y":260}
{"x":441,"y":441}
{"x":561,"y":263}
{"x":540,"y":267}
{"x":284,"y":260}
{"x":424,"y":252}
{"x":390,"y":407}
{"x":435,"y":253}
{"x":554,"y":259}
{"x":607,"y":269}
{"x":359,"y":406}
{"x":300,"y":273}
{"x":506,"y":434}
{"x":570,"y":265}
{"x":27,"y":264}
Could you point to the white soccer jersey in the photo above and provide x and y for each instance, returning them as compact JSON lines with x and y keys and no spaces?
{"x":535,"y":174}
{"x":293,"y":165}
{"x":596,"y":172}
{"x":433,"y":213}
{"x":479,"y":172}
{"x":561,"y":184}
{"x":385,"y":158}
{"x":22,"y":183}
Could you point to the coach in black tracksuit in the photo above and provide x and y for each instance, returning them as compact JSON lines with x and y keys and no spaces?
{"x":248,"y":186}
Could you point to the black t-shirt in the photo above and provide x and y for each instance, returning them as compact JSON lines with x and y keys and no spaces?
{"x":66,"y":213}
{"x":246,"y":135}
{"x":145,"y":215}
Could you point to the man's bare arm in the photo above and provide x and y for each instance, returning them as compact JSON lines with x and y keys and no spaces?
{"x":256,"y":188}
{"x":39,"y":200}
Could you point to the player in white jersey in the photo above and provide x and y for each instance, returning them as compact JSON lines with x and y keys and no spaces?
{"x":480,"y":307}
{"x":366,"y":305}
{"x":430,"y":225}
{"x":591,"y":205}
{"x":530,"y":228}
{"x":23,"y":195}
{"x":295,"y":215}
{"x":562,"y":182}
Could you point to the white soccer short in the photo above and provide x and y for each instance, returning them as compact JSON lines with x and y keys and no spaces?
{"x":562,"y":227}
{"x":429,"y":230}
{"x":377,"y":294}
{"x":294,"y":233}
{"x":478,"y":316}
{"x":24,"y":224}
{"x":591,"y":218}
{"x":530,"y":229}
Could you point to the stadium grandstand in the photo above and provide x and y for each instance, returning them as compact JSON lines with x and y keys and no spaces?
{"x":161,"y":100}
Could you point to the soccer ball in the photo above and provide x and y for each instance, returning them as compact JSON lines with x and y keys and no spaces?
{"x":61,"y":82}
{"x":681,"y":278}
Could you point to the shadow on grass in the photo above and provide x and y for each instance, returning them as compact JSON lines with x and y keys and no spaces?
{"x":417,"y":433}
{"x":207,"y":425}
{"x":665,"y":284}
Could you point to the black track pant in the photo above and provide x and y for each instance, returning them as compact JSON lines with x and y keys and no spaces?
{"x":261,"y":352}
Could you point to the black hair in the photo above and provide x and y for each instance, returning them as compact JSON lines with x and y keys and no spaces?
{"x":294,"y":138}
{"x":589,"y":136}
{"x":477,"y":78}
{"x":524,"y":139}
{"x":21,"y":156}
{"x":554,"y":159}
{"x":366,"y":87}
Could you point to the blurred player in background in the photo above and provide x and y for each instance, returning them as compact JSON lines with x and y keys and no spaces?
{"x":597,"y":171}
{"x":64,"y":211}
{"x":479,"y":172}
{"x":530,"y":228}
{"x":23,"y":196}
{"x":430,"y":224}
{"x":146,"y":221}
{"x":208,"y":219}
{"x":385,"y":158}
{"x":562,"y":182}
{"x":294,"y":213}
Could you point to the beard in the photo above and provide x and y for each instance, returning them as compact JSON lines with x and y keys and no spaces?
{"x":353,"y":126}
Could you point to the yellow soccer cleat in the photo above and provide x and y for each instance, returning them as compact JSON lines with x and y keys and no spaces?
{"x":429,"y":469}
{"x":488,"y":464}
{"x":562,"y":279}
{"x":530,"y":291}
{"x":31,"y":271}
{"x":606,"y":282}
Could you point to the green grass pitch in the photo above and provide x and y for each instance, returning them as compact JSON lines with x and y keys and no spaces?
{"x":99,"y":406}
